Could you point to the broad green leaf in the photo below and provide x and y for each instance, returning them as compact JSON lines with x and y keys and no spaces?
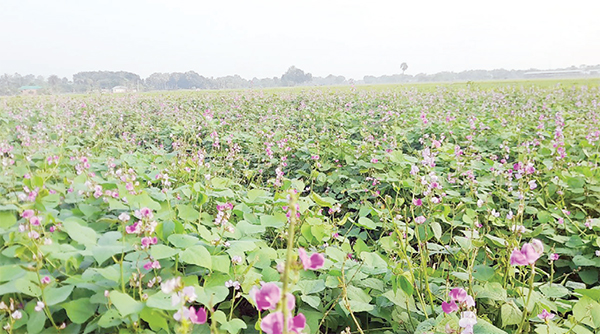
{"x":110,"y":319}
{"x":159,"y":252}
{"x":82,"y":234}
{"x":7,"y":219}
{"x":510,"y":314}
{"x":80,"y":310}
{"x":155,"y":319}
{"x":182,"y":241}
{"x":367,"y":223}
{"x":57,"y":295}
{"x":125,"y":304}
{"x":276,"y":221}
{"x":187,"y":213}
{"x":197,"y":255}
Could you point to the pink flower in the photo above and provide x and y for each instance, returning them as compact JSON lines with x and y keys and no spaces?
{"x":420,"y":220}
{"x":197,"y":317}
{"x":45,"y":280}
{"x":545,"y":315}
{"x":131,"y":229}
{"x":152,"y":265}
{"x":35,"y":220}
{"x":417,"y":202}
{"x":528,"y":255}
{"x":273,"y":323}
{"x":553,"y":257}
{"x":147,"y":241}
{"x":27,"y":214}
{"x":314,"y":262}
{"x":449,"y":307}
{"x":146,"y":212}
{"x":458,"y":294}
{"x":267,"y":297}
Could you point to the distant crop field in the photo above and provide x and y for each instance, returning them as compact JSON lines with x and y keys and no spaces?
{"x":417,"y":208}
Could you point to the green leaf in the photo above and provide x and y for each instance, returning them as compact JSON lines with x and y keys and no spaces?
{"x":325,"y":202}
{"x":110,"y":319}
{"x":197,"y":255}
{"x":125,"y":304}
{"x":82,"y":234}
{"x":36,"y":322}
{"x":276,"y":221}
{"x":88,"y":210}
{"x":182,"y":241}
{"x":484,"y":327}
{"x":555,"y":291}
{"x":7,"y":219}
{"x":188,"y":213}
{"x":510,"y":314}
{"x":159,"y":252}
{"x":80,"y":310}
{"x":483,"y":273}
{"x":161,"y":301}
{"x":54,"y":296}
{"x":155,"y":319}
{"x":587,"y":311}
{"x":28,"y":287}
{"x":405,"y":285}
{"x":234,"y":326}
{"x":592,"y":293}
{"x":313,"y":301}
{"x":367,"y":223}
{"x":437,"y":230}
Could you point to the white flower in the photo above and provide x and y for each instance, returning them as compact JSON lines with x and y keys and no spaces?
{"x":182,"y":314}
{"x":16,"y":315}
{"x":467,"y":320}
{"x":39,"y":306}
{"x":124,"y":217}
{"x":169,"y":286}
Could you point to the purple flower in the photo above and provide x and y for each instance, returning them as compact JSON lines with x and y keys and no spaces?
{"x":545,"y":315}
{"x":417,"y":202}
{"x":553,"y":257}
{"x":146,"y":212}
{"x":528,"y":255}
{"x":267,"y":297}
{"x":197,"y":317}
{"x":131,"y":229}
{"x":458,"y":294}
{"x":314,"y":262}
{"x":449,"y":307}
{"x":45,"y":280}
{"x":27,"y":214}
{"x":147,"y":241}
{"x":273,"y":323}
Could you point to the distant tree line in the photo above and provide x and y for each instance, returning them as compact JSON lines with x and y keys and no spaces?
{"x":104,"y":81}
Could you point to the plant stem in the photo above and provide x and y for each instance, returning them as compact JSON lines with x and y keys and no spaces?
{"x":288,"y":261}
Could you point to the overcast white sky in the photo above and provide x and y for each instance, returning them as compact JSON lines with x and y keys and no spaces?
{"x":262,"y":38}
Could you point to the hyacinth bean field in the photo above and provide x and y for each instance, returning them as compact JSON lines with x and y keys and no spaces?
{"x":399,"y":210}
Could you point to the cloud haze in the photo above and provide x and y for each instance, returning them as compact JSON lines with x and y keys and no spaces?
{"x":263,"y":38}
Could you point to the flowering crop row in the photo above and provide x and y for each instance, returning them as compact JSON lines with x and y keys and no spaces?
{"x":317,"y":211}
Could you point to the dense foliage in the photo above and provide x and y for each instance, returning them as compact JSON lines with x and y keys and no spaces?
{"x":446,"y":211}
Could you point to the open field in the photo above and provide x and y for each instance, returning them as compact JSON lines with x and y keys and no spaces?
{"x":427,"y":208}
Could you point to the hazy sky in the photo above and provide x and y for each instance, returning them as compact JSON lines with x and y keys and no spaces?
{"x":262,"y":38}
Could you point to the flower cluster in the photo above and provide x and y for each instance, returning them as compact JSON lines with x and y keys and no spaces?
{"x":461,"y":301}
{"x":268,"y":297}
{"x":528,"y":255}
{"x":181,"y":295}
